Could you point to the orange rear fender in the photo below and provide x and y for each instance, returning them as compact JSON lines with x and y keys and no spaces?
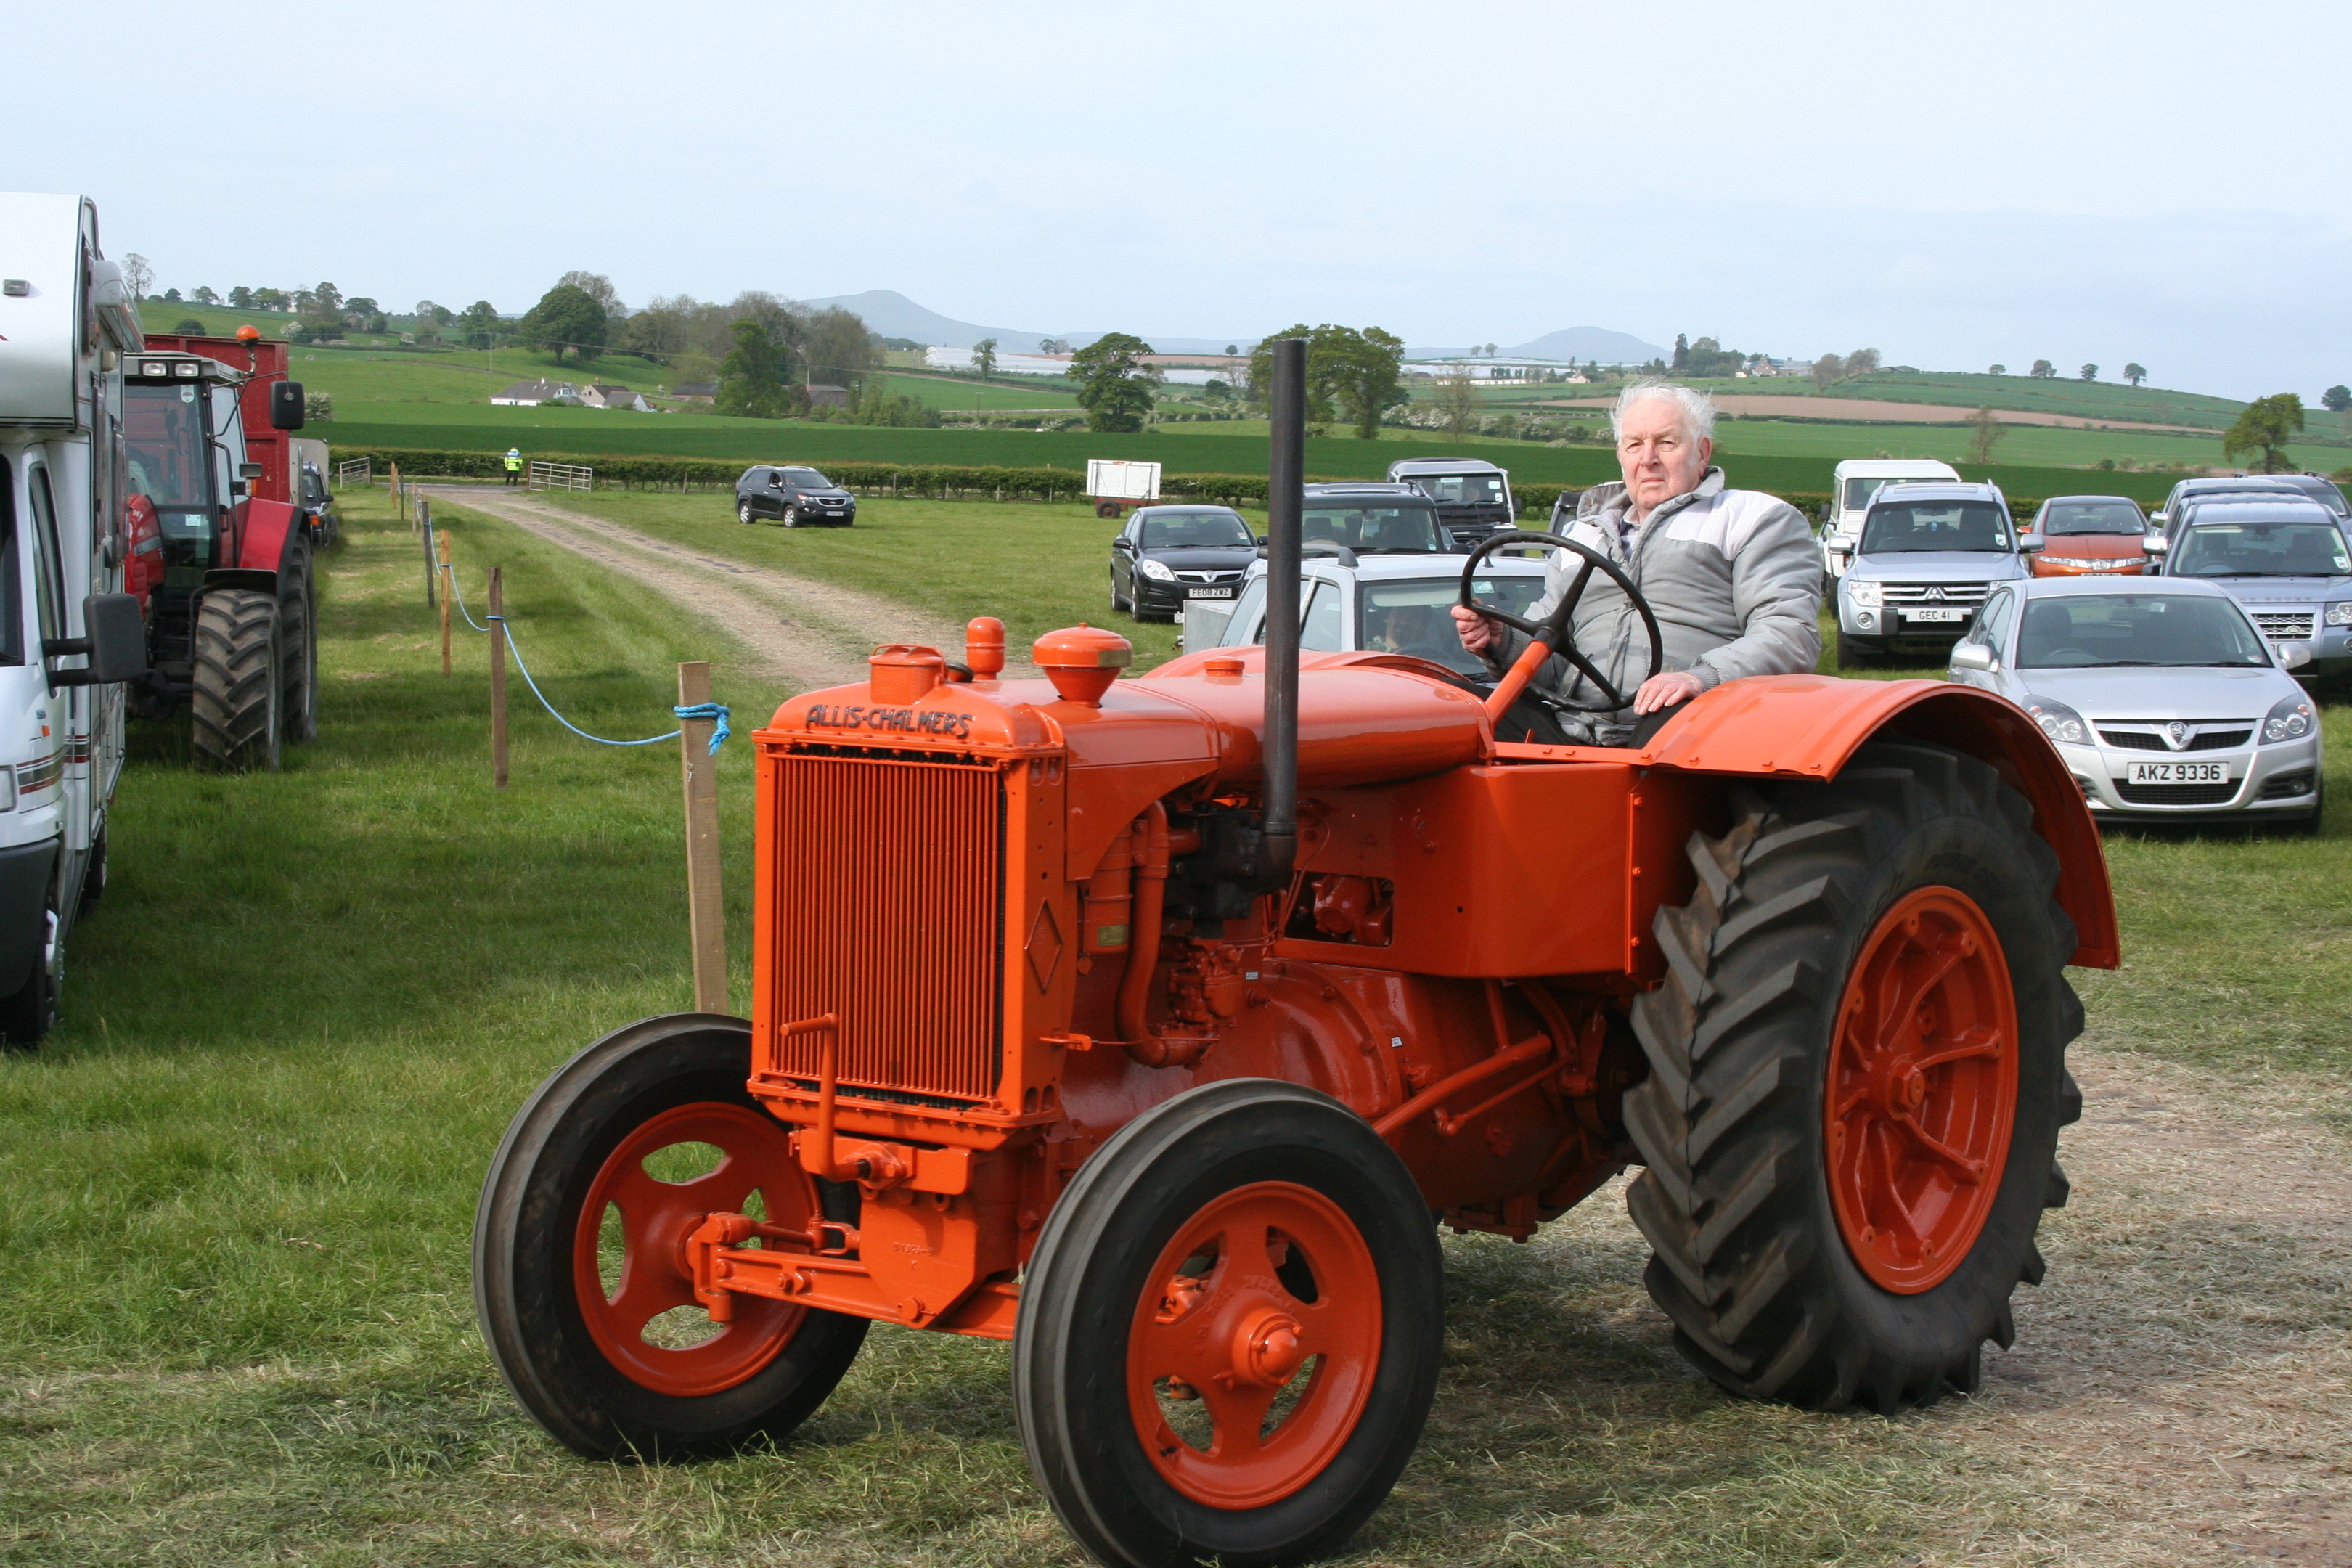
{"x":1807,"y":726}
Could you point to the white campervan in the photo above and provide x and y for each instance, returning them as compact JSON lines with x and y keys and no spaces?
{"x":66,"y":637}
{"x":1856,"y":480}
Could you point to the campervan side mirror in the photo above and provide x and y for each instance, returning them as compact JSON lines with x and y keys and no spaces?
{"x":116,"y":643}
{"x":285,"y":405}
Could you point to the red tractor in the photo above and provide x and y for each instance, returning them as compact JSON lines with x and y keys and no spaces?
{"x":1156,"y":1026}
{"x":220,"y":552}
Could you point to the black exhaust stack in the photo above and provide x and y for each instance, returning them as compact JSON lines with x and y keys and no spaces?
{"x":1285,"y":479}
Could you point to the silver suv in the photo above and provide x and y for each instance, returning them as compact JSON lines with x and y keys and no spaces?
{"x":1925,"y":557}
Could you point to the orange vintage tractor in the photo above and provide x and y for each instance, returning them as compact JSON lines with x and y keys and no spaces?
{"x":1156,"y":1025}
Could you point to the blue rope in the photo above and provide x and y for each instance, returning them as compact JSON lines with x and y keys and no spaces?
{"x":708,"y":711}
{"x":699,"y":710}
{"x":460,"y":597}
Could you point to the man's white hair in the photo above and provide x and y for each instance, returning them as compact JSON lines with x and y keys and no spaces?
{"x":1697,"y":410}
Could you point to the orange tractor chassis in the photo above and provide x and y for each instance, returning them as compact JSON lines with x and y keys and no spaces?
{"x":1155,"y":1025}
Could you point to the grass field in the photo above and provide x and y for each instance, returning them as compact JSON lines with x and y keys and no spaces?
{"x":235,"y":1190}
{"x":1217,"y":448}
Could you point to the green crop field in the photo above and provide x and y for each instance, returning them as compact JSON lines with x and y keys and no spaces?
{"x":237,"y":1188}
{"x":964,"y":392}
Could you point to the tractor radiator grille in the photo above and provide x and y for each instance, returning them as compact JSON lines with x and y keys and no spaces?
{"x":890,"y":893}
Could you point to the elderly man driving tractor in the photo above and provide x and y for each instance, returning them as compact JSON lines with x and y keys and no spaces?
{"x":1733,"y":577}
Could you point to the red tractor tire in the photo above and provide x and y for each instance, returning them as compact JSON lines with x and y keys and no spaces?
{"x":1857,"y":1077}
{"x":578,"y":1283}
{"x":1229,"y":1330}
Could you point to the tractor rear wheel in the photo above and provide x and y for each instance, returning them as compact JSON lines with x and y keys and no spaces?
{"x":1229,"y":1332}
{"x":239,"y":678}
{"x":1857,"y":1077}
{"x":580,"y":1281}
{"x":298,"y":621}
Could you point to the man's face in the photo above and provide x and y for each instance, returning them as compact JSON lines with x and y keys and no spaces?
{"x":1659,"y":458}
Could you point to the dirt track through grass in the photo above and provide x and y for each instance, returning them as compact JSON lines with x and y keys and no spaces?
{"x":804,"y":633}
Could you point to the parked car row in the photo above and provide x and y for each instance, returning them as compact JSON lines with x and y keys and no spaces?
{"x":2168,"y":666}
{"x":2172,"y":665}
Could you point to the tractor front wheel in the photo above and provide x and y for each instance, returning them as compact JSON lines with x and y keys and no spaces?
{"x":238,"y":678}
{"x":1857,"y":1077}
{"x":580,"y":1279}
{"x":1229,"y":1332}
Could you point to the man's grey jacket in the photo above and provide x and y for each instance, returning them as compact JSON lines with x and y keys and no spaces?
{"x":1733,"y":577}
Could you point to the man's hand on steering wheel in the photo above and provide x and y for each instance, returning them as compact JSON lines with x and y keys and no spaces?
{"x":1476,"y":623}
{"x":1477,"y":631}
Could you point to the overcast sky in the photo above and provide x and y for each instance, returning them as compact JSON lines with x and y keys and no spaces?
{"x":1954,"y":184}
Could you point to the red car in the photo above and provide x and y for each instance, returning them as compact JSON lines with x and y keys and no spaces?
{"x":2075,"y":536}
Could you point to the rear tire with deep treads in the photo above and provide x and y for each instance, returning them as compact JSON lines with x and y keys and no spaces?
{"x":237,"y":679}
{"x":1774,"y":1290}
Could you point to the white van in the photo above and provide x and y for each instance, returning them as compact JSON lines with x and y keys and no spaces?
{"x":68,"y":637}
{"x":1856,"y":480}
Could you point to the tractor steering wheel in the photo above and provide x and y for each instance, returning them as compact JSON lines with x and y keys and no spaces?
{"x":1553,"y":633}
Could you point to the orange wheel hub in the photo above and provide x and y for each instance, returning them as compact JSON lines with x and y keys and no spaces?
{"x":1922,"y":1089}
{"x":656,"y":1218}
{"x":1252,"y":1350}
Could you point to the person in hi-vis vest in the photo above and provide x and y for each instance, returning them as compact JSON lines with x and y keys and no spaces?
{"x":514,"y":466}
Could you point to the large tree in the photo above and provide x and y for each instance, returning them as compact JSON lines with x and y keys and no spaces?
{"x":1861,"y":361}
{"x":983,"y":357}
{"x":2336,"y":398}
{"x":2089,"y":373}
{"x":752,"y":382}
{"x":1826,"y":371}
{"x":1358,"y":376}
{"x":599,"y":288}
{"x":1115,"y":382}
{"x":478,"y":326}
{"x":568,"y":320}
{"x":2134,"y":373}
{"x":841,"y":351}
{"x":2043,"y":370}
{"x":2265,"y":426}
{"x":138,"y":275}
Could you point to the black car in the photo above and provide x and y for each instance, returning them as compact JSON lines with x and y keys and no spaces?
{"x":318,"y":506}
{"x":1169,"y":554}
{"x":797,"y":495}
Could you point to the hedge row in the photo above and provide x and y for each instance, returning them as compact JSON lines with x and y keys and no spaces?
{"x":943,"y":482}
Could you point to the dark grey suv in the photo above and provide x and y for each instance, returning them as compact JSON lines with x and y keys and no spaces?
{"x":801,"y":497}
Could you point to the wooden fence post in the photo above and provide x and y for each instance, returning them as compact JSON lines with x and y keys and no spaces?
{"x":448,"y":585}
{"x":424,"y":527}
{"x":498,"y":681}
{"x":705,"y":911}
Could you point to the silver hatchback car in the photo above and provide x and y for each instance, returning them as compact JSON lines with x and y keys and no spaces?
{"x":2165,"y":700}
